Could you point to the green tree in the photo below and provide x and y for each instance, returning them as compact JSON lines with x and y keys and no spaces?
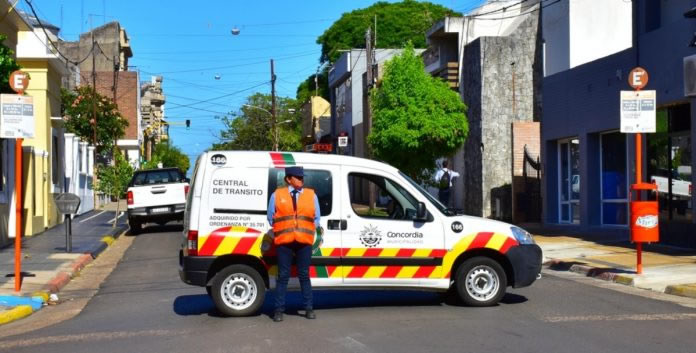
{"x":397,"y":23}
{"x":78,"y":111}
{"x":416,"y":118}
{"x":308,"y":87}
{"x":251,"y":129}
{"x":7,"y":65}
{"x":170,"y":157}
{"x":113,"y":180}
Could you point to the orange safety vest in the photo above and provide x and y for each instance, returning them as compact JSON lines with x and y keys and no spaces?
{"x":288,"y":225}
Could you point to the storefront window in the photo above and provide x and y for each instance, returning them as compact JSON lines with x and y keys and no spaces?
{"x":670,"y":162}
{"x":569,"y":183}
{"x":614,"y":179}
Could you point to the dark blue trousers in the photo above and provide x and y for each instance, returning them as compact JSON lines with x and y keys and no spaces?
{"x":303,"y":257}
{"x":444,"y":196}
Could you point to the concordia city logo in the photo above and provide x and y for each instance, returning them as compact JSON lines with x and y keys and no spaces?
{"x":370,"y":236}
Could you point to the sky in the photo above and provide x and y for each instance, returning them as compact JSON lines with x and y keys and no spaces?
{"x":191,"y":46}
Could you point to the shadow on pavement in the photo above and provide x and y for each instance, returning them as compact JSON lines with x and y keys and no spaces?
{"x":202,"y":304}
{"x":155,"y":228}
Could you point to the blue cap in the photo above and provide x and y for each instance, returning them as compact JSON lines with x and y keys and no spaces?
{"x":294,"y":171}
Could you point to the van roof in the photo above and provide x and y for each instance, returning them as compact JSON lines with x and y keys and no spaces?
{"x":285,"y":159}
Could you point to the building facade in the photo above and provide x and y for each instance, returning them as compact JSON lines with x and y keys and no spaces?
{"x":152,"y":111}
{"x":349,"y":98}
{"x":496,"y":69}
{"x":588,"y":164}
{"x":45,"y":170}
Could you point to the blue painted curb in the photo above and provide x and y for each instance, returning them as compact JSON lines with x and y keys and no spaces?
{"x":12,"y":300}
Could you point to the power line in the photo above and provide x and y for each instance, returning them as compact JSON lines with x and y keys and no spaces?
{"x":223,"y":96}
{"x":522,"y":13}
{"x":198,"y":52}
{"x":48,"y":38}
{"x":233,"y":66}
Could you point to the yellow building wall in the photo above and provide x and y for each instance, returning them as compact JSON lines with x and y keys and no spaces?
{"x":44,"y":87}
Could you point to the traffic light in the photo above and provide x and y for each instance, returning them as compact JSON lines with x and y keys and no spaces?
{"x":188,"y":123}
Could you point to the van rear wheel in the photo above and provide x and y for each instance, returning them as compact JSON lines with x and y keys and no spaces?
{"x":238,"y":290}
{"x":481,"y":281}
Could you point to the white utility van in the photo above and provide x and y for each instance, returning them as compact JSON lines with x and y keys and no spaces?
{"x":407,"y":239}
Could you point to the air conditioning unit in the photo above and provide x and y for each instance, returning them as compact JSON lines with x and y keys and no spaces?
{"x":690,"y":76}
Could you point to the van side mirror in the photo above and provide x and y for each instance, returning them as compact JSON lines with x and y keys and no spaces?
{"x":421,"y":212}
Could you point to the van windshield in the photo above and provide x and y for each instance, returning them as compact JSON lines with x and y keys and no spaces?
{"x":440,"y":207}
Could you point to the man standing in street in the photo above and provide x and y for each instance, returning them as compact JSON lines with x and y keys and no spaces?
{"x":443,"y":178}
{"x":293,"y":212}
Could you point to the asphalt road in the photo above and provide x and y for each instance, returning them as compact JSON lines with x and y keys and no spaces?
{"x":144,"y":307}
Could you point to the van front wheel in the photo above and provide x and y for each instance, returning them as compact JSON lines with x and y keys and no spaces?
{"x":238,"y":290}
{"x":481,"y":281}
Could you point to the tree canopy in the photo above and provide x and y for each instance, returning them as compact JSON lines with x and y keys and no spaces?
{"x":77,"y":110}
{"x":113,"y":180}
{"x":308,"y":87}
{"x":170,"y":156}
{"x":397,"y":23}
{"x":416,"y":118}
{"x":7,"y":65}
{"x":251,"y":129}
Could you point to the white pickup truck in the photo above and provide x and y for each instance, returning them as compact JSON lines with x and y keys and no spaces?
{"x":156,"y":195}
{"x":680,"y":186}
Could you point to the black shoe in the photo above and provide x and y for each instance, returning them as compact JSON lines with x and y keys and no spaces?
{"x":278,"y":316}
{"x":310,"y":314}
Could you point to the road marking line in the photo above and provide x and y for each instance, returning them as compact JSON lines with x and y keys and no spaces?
{"x":634,"y":317}
{"x":87,"y":219}
{"x":119,"y":216}
{"x":353,"y":345}
{"x":97,"y":336}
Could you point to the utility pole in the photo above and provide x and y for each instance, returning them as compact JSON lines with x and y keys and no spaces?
{"x":94,"y":111}
{"x":367,"y":122}
{"x":369,"y":80}
{"x":274,"y":127}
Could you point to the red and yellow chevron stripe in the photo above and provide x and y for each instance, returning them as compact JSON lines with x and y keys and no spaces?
{"x":247,"y":241}
{"x":231,"y":240}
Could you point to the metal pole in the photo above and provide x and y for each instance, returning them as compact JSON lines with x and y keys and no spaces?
{"x":273,"y":109}
{"x":18,"y":210}
{"x":67,"y":233}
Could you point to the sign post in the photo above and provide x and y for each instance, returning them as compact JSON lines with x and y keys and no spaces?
{"x":638,"y":115}
{"x":17,"y":121}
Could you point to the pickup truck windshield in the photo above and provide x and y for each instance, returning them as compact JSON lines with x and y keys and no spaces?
{"x":440,"y":207}
{"x":158,"y":176}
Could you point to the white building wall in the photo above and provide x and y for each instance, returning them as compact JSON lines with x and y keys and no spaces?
{"x":575,"y":32}
{"x":79,"y":170}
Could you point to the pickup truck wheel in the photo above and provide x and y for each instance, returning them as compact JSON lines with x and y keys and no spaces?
{"x":481,"y":281}
{"x":238,"y":290}
{"x":135,"y":226}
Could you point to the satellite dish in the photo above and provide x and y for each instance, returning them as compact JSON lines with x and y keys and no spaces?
{"x":235,"y":31}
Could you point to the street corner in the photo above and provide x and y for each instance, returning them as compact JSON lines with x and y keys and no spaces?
{"x":81,"y":262}
{"x":58,"y":282}
{"x":683,"y":290}
{"x":108,"y":239}
{"x":15,"y":313}
{"x":610,"y":274}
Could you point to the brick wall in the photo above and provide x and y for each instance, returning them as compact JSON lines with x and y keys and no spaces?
{"x":524,"y":134}
{"x":125,"y":95}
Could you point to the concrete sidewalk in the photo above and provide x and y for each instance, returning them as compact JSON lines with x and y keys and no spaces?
{"x":48,"y":266}
{"x":612,"y":257}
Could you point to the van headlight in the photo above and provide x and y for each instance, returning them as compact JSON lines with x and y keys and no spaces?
{"x":522,"y":236}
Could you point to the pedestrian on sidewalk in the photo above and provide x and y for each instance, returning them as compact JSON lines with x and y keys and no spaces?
{"x":293,"y":212}
{"x":443,"y":180}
